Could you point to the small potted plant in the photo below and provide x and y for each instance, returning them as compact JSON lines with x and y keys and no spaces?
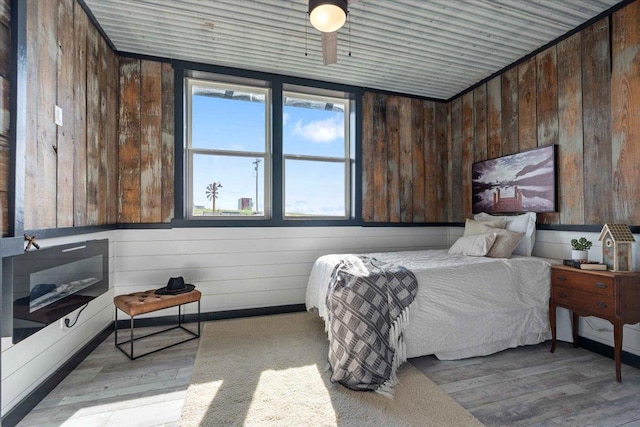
{"x":580,"y":247}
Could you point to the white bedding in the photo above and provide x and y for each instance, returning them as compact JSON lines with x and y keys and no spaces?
{"x":466,"y":306}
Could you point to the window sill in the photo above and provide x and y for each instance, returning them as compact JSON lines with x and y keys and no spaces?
{"x":184,"y":223}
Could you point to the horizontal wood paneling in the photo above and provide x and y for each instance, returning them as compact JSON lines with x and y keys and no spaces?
{"x":572,"y":95}
{"x":402,"y":151}
{"x":250,"y":267}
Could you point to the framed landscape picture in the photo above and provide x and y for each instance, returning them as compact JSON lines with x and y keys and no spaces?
{"x":522,"y":182}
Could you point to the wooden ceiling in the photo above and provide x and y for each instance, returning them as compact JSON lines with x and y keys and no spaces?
{"x":431,"y":48}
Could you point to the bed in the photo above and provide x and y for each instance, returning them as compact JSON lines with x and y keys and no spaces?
{"x":465,"y":305}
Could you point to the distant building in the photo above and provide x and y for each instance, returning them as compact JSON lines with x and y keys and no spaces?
{"x":245,"y":203}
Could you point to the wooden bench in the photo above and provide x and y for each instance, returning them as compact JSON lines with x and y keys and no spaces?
{"x":146,"y":302}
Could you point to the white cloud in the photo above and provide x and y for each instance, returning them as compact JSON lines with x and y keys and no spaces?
{"x":320,"y":131}
{"x":285,"y":118}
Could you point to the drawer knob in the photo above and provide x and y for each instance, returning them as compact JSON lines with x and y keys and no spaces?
{"x":562,"y":295}
{"x":601,"y":285}
{"x":601,"y":304}
{"x":561,"y":278}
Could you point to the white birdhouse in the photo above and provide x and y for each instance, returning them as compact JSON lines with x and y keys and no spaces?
{"x":616,"y":246}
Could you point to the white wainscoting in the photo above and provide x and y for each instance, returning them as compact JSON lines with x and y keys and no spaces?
{"x":239,"y":268}
{"x":30,"y":362}
{"x":556,"y":244}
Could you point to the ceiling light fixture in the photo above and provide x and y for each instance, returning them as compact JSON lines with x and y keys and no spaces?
{"x":327,"y":16}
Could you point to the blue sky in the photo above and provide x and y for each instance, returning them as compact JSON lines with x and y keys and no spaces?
{"x":225,"y":124}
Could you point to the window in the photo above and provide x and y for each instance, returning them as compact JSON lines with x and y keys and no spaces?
{"x":230,"y":142}
{"x":228,"y":150}
{"x":316,"y":156}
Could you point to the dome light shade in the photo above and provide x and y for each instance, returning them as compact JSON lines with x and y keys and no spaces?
{"x":327,"y":16}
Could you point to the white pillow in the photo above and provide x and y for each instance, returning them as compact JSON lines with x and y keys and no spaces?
{"x":474,"y":245}
{"x":471,"y":226}
{"x":506,"y":241}
{"x":525,"y":223}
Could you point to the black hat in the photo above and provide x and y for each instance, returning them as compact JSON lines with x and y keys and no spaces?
{"x":175,"y":286}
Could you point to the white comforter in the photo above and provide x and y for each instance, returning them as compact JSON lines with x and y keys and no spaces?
{"x":466,"y":306}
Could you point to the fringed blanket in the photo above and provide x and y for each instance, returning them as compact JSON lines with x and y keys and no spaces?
{"x":368,"y":307}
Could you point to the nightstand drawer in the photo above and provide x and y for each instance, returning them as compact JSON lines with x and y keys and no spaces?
{"x":583,"y":282}
{"x":595,"y":305}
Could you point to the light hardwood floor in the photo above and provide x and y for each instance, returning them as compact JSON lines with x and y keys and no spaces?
{"x":108,"y":389}
{"x":531,"y":386}
{"x":523,"y":386}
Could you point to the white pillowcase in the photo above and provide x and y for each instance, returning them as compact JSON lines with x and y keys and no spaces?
{"x":525,"y":223}
{"x":471,"y":226}
{"x":474,"y":245}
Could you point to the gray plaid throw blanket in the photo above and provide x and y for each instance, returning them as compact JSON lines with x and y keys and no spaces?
{"x":368,"y":307}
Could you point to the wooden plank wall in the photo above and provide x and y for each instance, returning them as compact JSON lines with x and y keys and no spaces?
{"x":404,"y":148}
{"x":145,"y":142}
{"x":625,"y":108}
{"x":5,"y":86}
{"x":70,"y":169}
{"x":582,"y":94}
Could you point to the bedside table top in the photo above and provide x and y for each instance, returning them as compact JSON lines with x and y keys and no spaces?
{"x":606,"y":273}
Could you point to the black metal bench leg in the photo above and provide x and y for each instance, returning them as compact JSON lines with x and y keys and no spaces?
{"x":115,"y":327}
{"x":131,"y":355}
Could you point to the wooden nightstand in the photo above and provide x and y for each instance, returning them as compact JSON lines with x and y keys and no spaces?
{"x":613,"y":296}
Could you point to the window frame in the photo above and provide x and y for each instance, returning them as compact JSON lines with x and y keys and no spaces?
{"x":184,"y":69}
{"x":347,"y":159}
{"x":267,"y":155}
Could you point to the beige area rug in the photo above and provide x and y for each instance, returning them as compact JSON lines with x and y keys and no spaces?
{"x":270,"y":371}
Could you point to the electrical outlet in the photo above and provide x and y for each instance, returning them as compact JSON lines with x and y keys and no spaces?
{"x":62,"y":325}
{"x":58,"y":114}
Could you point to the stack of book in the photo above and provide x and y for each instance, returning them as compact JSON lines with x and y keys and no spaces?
{"x":585,"y":265}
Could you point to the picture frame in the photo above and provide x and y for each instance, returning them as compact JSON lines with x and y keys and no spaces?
{"x":521,"y":182}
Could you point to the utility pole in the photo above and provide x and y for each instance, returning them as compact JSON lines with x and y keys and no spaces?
{"x":256,"y":163}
